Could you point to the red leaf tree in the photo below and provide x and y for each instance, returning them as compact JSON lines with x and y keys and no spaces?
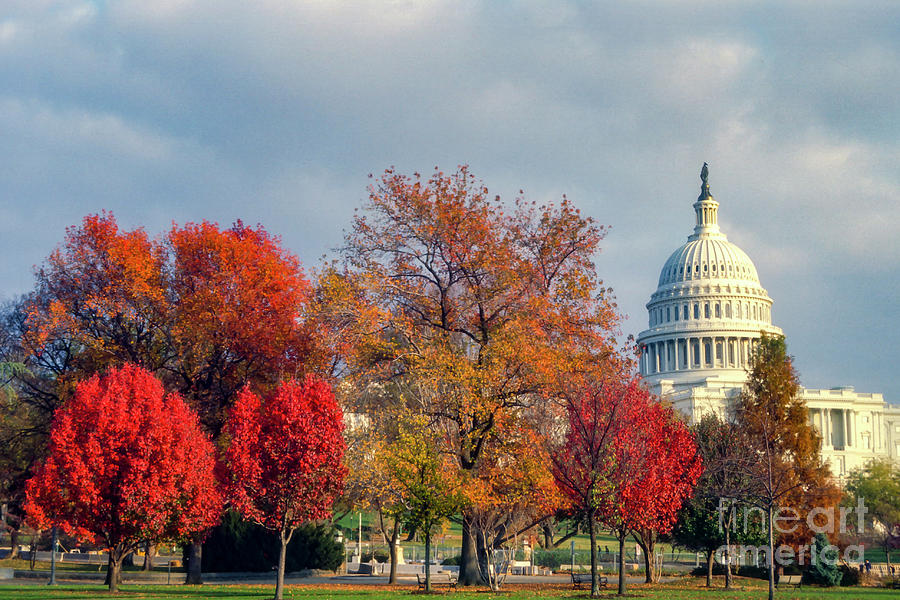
{"x":285,"y":458}
{"x":207,"y":309}
{"x":627,"y":462}
{"x":127,"y":463}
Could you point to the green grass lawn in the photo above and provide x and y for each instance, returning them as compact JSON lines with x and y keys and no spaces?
{"x":681,"y":590}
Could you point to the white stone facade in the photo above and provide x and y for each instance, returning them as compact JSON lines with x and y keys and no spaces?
{"x":707,"y":313}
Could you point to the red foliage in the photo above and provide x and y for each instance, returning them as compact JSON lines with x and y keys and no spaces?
{"x":626,"y":456}
{"x":127,"y":463}
{"x":285,"y":454}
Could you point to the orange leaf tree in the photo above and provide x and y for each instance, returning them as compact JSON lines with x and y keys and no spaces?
{"x":208,"y":310}
{"x":127,"y":464}
{"x":478,"y":311}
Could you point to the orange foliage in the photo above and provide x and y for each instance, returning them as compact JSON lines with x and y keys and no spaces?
{"x":206,"y":309}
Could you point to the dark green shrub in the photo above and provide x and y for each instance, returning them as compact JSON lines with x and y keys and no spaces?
{"x":552,"y":559}
{"x":238,"y":545}
{"x":452,"y":560}
{"x":382,"y":555}
{"x":850,"y":575}
{"x":744,"y":571}
{"x":823,"y":569}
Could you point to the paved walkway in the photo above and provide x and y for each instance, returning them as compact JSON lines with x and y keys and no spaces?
{"x":157,"y":578}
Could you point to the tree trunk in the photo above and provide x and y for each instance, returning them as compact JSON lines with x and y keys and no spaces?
{"x":469,"y":572}
{"x":149,"y":552}
{"x":728,"y":555}
{"x":595,"y":580}
{"x":34,"y":537}
{"x":395,"y":539}
{"x":887,"y":554}
{"x":428,"y":560}
{"x":14,"y":543}
{"x":646,"y":539}
{"x":648,"y":563}
{"x":622,"y":533}
{"x":547,"y":530}
{"x":771,"y":557}
{"x":114,"y":570}
{"x":195,"y":556}
{"x":710,"y":554}
{"x":284,"y":538}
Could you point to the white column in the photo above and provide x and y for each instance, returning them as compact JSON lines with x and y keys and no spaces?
{"x":849,"y":428}
{"x":675,"y":354}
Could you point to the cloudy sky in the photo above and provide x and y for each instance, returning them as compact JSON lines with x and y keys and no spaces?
{"x":275,"y":112}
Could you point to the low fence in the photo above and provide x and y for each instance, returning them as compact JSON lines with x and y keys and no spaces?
{"x":555,"y":560}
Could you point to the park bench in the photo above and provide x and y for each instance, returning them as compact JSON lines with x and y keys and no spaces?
{"x":447,"y":580}
{"x":579,"y":579}
{"x":794,"y":580}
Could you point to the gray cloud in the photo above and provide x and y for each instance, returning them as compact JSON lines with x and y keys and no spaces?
{"x":276,"y":111}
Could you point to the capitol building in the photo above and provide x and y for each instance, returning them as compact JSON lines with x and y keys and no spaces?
{"x":707,"y":313}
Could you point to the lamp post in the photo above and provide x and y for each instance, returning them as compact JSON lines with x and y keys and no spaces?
{"x":53,"y":538}
{"x":572,"y":546}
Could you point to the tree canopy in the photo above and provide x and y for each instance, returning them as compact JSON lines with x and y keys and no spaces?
{"x":127,"y":463}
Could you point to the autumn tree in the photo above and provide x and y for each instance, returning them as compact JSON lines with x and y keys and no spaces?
{"x":430,"y":490}
{"x":284,"y":458}
{"x":671,"y":475}
{"x":877,"y":487}
{"x":626,"y":462}
{"x":708,"y":520}
{"x":370,"y":483}
{"x":208,"y":310}
{"x":511,"y":491}
{"x":779,"y":437}
{"x":484,"y":308}
{"x":584,"y":465}
{"x":127,"y":463}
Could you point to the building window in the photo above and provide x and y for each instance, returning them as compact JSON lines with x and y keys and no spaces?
{"x":728,"y":311}
{"x":668,"y":314}
{"x":696,"y":353}
{"x":684,"y":314}
{"x":738,"y":308}
{"x":676,"y":313}
{"x":718,"y":311}
{"x":706,"y":310}
{"x":696,"y":310}
{"x":707,"y":353}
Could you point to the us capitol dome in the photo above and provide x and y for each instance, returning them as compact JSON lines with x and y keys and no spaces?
{"x":706,"y":315}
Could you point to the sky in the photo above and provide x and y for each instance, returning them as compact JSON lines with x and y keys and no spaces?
{"x":276,"y":112}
